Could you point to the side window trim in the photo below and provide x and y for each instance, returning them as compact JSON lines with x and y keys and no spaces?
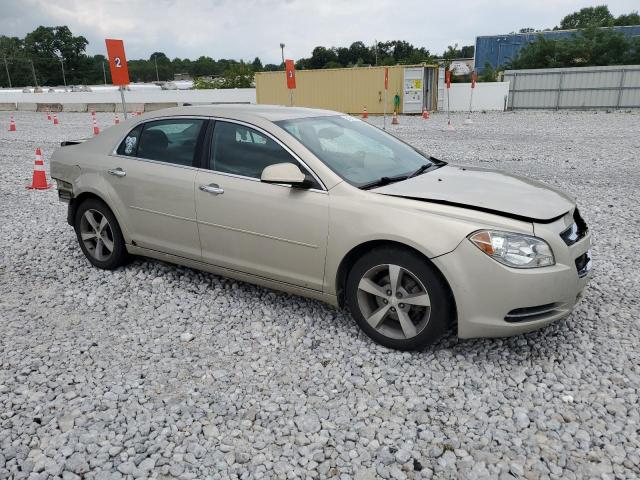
{"x":306,"y":169}
{"x":197,"y":154}
{"x":205,"y":151}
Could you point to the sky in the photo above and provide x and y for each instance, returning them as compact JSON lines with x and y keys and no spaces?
{"x":244,"y":29}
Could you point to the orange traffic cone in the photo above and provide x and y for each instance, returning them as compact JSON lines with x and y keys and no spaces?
{"x":425,"y":114}
{"x":394,"y":120}
{"x":39,"y":181}
{"x":365,"y":114}
{"x":116,"y":120}
{"x":96,"y":130}
{"x":12,"y":124}
{"x":55,"y":118}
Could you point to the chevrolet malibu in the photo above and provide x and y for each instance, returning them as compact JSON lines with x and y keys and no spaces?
{"x":320,"y":204}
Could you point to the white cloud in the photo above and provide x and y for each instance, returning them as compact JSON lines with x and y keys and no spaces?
{"x":248,"y":28}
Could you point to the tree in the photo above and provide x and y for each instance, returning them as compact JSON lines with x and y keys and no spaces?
{"x":627,"y":19}
{"x":256,"y":65}
{"x":599,"y":16}
{"x":238,"y":75}
{"x":320,"y":56}
{"x":47,"y":47}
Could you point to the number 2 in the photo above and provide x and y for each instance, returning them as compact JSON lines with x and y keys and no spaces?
{"x":118,"y":62}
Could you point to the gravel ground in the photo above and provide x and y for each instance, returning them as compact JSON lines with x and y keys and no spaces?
{"x":158,"y":371}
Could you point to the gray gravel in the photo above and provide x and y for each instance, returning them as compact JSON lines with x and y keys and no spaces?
{"x":160,"y":371}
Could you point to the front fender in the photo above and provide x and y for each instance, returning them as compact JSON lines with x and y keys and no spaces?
{"x":358,"y":217}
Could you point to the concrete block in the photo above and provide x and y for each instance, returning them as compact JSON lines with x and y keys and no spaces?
{"x":7,"y":107}
{"x":131,"y":107}
{"x":150,"y":107}
{"x":27,"y":106}
{"x":101,"y":107}
{"x":74,"y":107}
{"x":49,"y":107}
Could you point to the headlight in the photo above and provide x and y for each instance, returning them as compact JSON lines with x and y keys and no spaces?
{"x":514,"y":249}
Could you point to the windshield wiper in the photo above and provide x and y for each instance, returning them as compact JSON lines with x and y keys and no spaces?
{"x":382,"y":181}
{"x":421,"y":169}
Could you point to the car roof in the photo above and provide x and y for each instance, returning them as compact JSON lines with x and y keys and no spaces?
{"x":272,"y":113}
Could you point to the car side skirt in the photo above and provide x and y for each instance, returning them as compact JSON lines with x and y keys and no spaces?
{"x":241,"y":276}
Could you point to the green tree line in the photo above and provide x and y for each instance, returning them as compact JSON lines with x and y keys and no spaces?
{"x":53,"y":55}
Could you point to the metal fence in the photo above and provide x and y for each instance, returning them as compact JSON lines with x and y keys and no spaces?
{"x":574,"y":88}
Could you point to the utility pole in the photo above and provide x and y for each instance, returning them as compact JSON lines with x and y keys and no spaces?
{"x":6,"y":67}
{"x":155,"y":61}
{"x":376,"y":52}
{"x":104,"y":74}
{"x":282,"y":49}
{"x":33,"y":71}
{"x":64,"y":79}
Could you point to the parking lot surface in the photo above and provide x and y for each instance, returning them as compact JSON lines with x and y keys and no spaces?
{"x":158,"y":371}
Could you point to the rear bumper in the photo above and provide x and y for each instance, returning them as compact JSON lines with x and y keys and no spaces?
{"x":493,"y":300}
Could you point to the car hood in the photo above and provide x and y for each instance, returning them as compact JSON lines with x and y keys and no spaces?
{"x":485,"y":190}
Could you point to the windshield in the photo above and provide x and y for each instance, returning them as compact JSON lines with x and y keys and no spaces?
{"x":360,"y":153}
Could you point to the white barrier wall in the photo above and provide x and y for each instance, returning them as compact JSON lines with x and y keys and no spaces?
{"x":227,"y":95}
{"x":486,"y":96}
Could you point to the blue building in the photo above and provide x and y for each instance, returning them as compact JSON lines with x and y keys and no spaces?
{"x":497,"y":50}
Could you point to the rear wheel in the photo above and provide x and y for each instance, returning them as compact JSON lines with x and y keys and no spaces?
{"x":99,"y":235}
{"x":398,"y":298}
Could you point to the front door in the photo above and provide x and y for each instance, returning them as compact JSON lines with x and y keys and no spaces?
{"x":152,"y":176}
{"x":273,"y":231}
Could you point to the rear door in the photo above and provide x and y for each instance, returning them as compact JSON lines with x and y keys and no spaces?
{"x":273,"y":231}
{"x":152,"y":175}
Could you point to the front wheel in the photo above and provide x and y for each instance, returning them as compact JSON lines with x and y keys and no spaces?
{"x":99,"y":235}
{"x":398,"y":298}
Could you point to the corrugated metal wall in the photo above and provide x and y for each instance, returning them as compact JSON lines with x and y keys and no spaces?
{"x":575,"y":88}
{"x":346,"y":90}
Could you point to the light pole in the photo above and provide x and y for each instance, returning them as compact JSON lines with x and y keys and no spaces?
{"x":6,"y":67}
{"x":64,"y":79}
{"x":282,"y":50}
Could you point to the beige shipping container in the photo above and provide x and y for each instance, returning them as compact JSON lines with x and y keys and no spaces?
{"x":347,"y":90}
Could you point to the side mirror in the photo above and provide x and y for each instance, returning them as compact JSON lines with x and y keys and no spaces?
{"x":286,"y":173}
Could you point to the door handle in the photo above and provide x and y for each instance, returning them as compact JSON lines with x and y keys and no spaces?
{"x":212,"y":188}
{"x":118,"y":172}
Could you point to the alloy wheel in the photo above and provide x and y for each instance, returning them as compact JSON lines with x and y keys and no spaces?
{"x":96,"y":234}
{"x":394,"y":301}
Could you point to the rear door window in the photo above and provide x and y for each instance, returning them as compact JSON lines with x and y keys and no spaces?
{"x":172,"y":140}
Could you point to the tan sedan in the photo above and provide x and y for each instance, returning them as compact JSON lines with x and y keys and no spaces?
{"x":324,"y":205}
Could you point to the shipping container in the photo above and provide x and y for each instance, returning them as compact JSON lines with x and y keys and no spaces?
{"x":351,"y":90}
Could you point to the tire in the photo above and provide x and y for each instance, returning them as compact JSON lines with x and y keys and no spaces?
{"x":399,"y":299}
{"x":102,"y":243}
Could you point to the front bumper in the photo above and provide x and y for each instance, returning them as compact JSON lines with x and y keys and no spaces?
{"x":494,"y":300}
